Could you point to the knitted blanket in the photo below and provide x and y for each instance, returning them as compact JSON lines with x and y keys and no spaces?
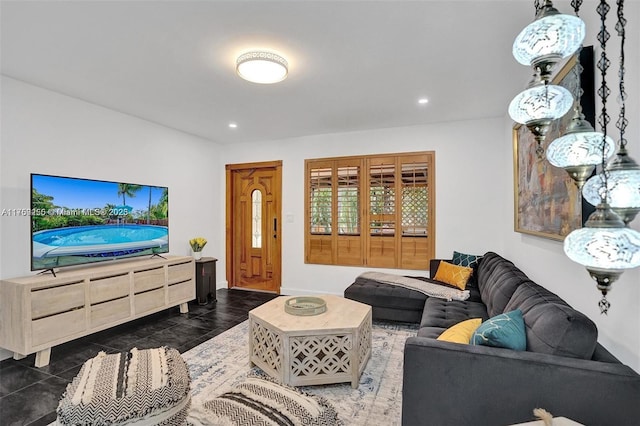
{"x":429,"y":288}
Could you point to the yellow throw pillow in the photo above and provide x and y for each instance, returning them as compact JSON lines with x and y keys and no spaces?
{"x":461,"y":332}
{"x":453,"y":274}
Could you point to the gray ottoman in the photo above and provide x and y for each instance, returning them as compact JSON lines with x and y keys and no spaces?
{"x":142,"y":387}
{"x":387,"y":302}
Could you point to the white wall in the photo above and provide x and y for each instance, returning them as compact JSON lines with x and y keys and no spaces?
{"x":45,"y":132}
{"x":467,"y":217}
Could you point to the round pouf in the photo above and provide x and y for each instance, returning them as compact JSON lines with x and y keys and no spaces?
{"x":141,"y":387}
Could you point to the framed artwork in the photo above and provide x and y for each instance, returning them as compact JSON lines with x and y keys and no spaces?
{"x":547,"y":202}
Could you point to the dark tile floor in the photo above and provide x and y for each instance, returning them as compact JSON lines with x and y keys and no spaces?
{"x":29,"y":395}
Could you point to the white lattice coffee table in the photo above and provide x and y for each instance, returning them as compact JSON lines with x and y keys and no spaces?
{"x":332,"y":347}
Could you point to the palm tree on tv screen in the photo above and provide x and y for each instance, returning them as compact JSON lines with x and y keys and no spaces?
{"x":164,"y":203}
{"x":160,"y":210}
{"x":149,"y":208}
{"x":127,"y":190}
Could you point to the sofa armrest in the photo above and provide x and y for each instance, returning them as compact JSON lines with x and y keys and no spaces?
{"x":453,"y":384}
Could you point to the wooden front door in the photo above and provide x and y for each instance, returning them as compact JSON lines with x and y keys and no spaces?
{"x":253,"y":225}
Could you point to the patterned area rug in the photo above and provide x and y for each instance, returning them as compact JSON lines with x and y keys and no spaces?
{"x":223,"y":362}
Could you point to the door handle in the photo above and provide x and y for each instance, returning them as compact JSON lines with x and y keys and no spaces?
{"x":275,"y":227}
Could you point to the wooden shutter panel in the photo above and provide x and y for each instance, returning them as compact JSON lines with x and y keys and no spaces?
{"x":349,"y":246}
{"x":319,"y":212}
{"x":414,"y":245}
{"x":382,"y":217}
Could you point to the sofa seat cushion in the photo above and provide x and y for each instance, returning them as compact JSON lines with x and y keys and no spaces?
{"x":498,"y":279}
{"x":382,"y":295}
{"x":443,"y":314}
{"x":474,"y":293}
{"x":430,"y":332}
{"x":552,"y":326}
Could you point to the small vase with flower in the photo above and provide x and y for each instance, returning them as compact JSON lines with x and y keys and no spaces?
{"x":197,"y":244}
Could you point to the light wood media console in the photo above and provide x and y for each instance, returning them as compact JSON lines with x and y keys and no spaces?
{"x":41,"y":311}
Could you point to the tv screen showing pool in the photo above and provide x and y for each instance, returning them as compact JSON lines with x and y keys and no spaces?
{"x":76,"y":221}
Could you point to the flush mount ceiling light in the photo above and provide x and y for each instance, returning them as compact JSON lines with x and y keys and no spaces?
{"x":262,"y":67}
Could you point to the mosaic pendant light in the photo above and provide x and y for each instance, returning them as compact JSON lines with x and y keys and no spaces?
{"x":551,"y":37}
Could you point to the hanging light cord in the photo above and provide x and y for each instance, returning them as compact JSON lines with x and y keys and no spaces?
{"x":603,"y":64}
{"x":622,"y":122}
{"x":576,"y":5}
{"x":578,"y":68}
{"x":537,"y":6}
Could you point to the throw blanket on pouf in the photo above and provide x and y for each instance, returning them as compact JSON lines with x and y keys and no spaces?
{"x":425,"y":287}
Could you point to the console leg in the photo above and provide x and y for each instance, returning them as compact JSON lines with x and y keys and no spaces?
{"x":184,"y":308}
{"x":17,"y":356}
{"x":42,"y":357}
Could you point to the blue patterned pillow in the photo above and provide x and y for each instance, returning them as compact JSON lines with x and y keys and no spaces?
{"x":502,"y":331}
{"x":468,"y":260}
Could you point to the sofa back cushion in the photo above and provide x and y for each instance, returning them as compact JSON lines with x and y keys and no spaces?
{"x":497,"y":280}
{"x":552,"y":326}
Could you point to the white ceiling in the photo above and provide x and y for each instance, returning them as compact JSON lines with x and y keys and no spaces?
{"x":354,"y":65}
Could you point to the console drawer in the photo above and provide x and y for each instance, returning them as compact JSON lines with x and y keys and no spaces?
{"x":181,"y":272}
{"x":181,"y":291}
{"x":109,"y":312}
{"x":148,"y":301}
{"x":146,"y":280}
{"x":101,"y":289}
{"x":57,"y":299}
{"x":58,"y":326}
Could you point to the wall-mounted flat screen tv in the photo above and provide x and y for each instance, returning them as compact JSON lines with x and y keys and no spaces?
{"x":76,"y":221}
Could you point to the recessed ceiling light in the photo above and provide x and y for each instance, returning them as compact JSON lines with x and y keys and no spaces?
{"x":423,"y":101}
{"x":233,"y":125}
{"x":262,"y":67}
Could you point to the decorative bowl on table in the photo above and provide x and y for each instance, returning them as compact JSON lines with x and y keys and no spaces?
{"x":305,"y":306}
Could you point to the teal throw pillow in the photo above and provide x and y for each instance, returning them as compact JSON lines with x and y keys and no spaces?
{"x":468,"y":260}
{"x":502,"y":331}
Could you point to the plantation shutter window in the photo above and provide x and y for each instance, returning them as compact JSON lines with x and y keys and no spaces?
{"x":374,"y":210}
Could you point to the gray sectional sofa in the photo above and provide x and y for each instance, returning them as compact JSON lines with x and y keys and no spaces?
{"x":563,"y":370}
